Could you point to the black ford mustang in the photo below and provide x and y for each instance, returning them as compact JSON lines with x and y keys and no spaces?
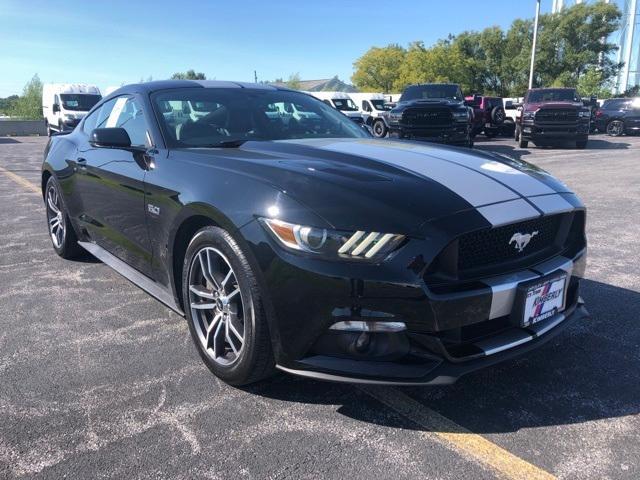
{"x":302,"y":243}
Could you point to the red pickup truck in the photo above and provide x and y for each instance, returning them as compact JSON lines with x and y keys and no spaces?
{"x":553,"y":115}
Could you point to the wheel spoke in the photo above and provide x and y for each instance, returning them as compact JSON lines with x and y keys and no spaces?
{"x":233,"y":330}
{"x":52,"y":206}
{"x":213,"y":323}
{"x":201,"y":291}
{"x":203,"y":306}
{"x":233,"y":294}
{"x":208,"y":271}
{"x":218,"y":340}
{"x":54,"y":222}
{"x":226,"y":279}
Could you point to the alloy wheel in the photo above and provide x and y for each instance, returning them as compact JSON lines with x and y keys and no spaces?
{"x":55,"y":216}
{"x":378,"y":129}
{"x":615,"y":128}
{"x":216,"y":304}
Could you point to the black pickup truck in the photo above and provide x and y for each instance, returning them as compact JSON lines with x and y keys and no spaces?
{"x":551,"y":116}
{"x":434,"y":112}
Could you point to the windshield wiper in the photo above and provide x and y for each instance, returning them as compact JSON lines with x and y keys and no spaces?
{"x":223,"y":144}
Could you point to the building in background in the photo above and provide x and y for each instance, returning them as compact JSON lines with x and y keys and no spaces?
{"x":324,"y":85}
{"x":628,"y":39}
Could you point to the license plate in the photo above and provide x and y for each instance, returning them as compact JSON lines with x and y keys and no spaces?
{"x":544,"y":299}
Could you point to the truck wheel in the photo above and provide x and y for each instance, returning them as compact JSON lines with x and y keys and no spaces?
{"x":522,"y":143}
{"x":516,"y":133}
{"x":49,"y":131}
{"x":581,"y":144}
{"x":379,"y":129}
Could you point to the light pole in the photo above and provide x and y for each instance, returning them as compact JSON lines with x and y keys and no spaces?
{"x":533,"y":47}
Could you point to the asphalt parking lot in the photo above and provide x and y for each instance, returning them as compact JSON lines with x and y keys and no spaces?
{"x":99,"y":380}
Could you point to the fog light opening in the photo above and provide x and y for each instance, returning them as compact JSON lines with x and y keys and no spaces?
{"x":368,"y":326}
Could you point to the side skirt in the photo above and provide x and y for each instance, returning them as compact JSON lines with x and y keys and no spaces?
{"x":133,"y":275}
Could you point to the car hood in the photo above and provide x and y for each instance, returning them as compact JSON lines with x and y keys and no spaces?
{"x":394,"y":186}
{"x":447,"y":102}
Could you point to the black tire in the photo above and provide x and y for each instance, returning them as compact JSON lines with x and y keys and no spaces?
{"x":516,"y":133}
{"x":49,"y":131}
{"x":66,"y":245}
{"x":615,"y":128}
{"x":379,"y":129}
{"x":581,"y":144}
{"x":522,"y":143}
{"x":498,"y":115}
{"x":254,"y":361}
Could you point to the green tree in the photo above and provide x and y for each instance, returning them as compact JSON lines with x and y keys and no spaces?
{"x":294,"y":81}
{"x":188,"y":75}
{"x":377,"y":69}
{"x":29,"y":104}
{"x":6,"y":104}
{"x":573,"y":43}
{"x":592,"y":82}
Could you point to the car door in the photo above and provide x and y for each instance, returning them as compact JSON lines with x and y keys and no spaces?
{"x":111,"y":185}
{"x":632,"y":116}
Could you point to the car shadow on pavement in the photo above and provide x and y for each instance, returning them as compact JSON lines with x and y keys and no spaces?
{"x":589,"y":372}
{"x":9,"y":140}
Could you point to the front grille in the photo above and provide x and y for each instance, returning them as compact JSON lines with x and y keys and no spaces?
{"x":556,"y":115}
{"x":426,"y":116}
{"x":499,"y":245}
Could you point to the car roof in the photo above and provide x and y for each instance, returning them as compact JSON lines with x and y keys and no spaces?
{"x":551,"y":88}
{"x":154,"y":86}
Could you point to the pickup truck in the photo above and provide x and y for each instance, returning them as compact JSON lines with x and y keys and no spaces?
{"x":432,"y":111}
{"x":553,"y":115}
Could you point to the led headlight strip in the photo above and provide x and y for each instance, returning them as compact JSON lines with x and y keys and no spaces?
{"x":379,"y":240}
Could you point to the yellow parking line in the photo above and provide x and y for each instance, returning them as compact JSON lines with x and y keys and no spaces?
{"x":457,"y":437}
{"x":21,"y":181}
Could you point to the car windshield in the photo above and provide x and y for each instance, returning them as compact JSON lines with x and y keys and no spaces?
{"x":554,"y":95}
{"x":239,"y":114}
{"x":426,"y":92}
{"x":380,"y":105}
{"x":79,"y":101}
{"x":345,"y":104}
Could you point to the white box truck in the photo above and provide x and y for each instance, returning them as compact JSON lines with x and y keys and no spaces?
{"x":65,"y":104}
{"x":340,"y":101}
{"x":371,"y":106}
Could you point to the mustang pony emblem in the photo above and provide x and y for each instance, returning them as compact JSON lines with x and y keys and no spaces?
{"x":522,"y":239}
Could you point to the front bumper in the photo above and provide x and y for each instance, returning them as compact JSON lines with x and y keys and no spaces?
{"x":448,"y":332}
{"x":555,"y":132}
{"x":455,"y":134}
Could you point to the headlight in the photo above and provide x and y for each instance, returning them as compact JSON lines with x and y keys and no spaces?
{"x":461,"y":115}
{"x":333,"y":243}
{"x":528,"y":115}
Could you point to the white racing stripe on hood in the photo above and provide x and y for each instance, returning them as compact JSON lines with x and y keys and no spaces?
{"x":508,"y":212}
{"x":520,"y":181}
{"x":550,"y":204}
{"x":473,"y":187}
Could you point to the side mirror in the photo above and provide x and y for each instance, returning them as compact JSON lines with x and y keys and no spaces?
{"x":55,"y":108}
{"x":110,"y":138}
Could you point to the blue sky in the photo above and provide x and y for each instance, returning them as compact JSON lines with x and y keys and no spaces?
{"x":108,"y":43}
